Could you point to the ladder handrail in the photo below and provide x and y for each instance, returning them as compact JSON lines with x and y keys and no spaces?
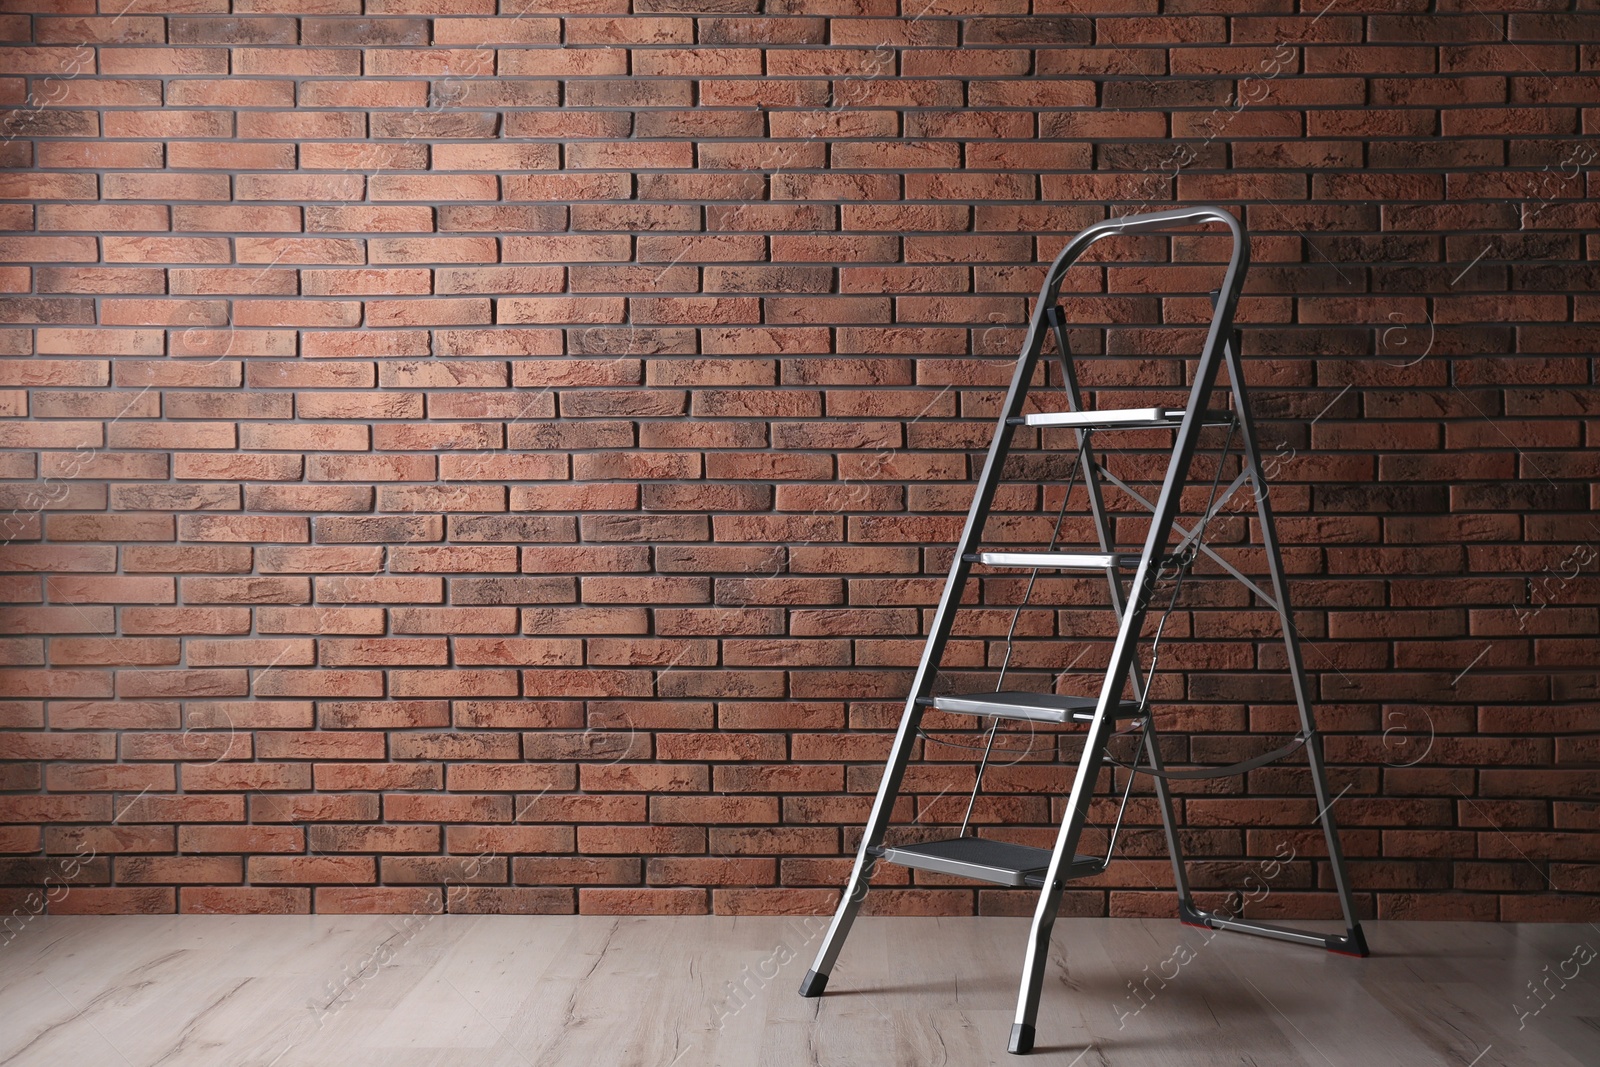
{"x":1154,"y":222}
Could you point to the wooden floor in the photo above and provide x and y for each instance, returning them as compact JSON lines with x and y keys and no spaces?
{"x":507,"y":991}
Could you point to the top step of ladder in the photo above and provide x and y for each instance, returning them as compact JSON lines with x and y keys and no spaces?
{"x":1032,"y":707}
{"x":1118,"y":419}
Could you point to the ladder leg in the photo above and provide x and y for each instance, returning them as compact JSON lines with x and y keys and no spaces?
{"x":1353,"y":943}
{"x":1044,"y":918}
{"x":1121,"y":663}
{"x":1169,"y":822}
{"x":1044,"y":913}
{"x":1066,"y":847}
{"x":816,"y":979}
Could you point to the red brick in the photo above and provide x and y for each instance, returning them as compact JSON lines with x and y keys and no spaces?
{"x":137,"y":870}
{"x":313,"y":808}
{"x":595,"y":901}
{"x":383,"y":839}
{"x":114,"y":900}
{"x":540,"y":870}
{"x":378,"y":900}
{"x":378,"y":776}
{"x":510,"y":900}
{"x":481,"y":840}
{"x":75,"y":715}
{"x":219,"y":777}
{"x":171,"y":809}
{"x":243,"y":900}
{"x":417,"y":808}
{"x":66,"y":808}
{"x":241,"y":839}
{"x":476,"y":869}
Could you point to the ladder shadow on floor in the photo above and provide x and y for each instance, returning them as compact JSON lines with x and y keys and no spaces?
{"x":896,"y":989}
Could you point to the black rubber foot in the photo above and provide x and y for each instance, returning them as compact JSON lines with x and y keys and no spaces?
{"x":1021,"y":1039}
{"x":1353,"y":943}
{"x":814,"y":984}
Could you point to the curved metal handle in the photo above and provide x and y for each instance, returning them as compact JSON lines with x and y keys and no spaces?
{"x":1154,"y":222}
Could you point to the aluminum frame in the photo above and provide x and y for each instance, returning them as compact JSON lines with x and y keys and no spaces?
{"x":1220,"y":349}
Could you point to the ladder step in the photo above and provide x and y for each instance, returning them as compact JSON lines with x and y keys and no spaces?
{"x":999,"y":862}
{"x":1118,"y":419}
{"x":1061,"y":561}
{"x":1034,"y":707}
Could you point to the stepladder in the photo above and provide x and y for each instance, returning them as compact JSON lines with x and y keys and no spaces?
{"x":1144,"y":582}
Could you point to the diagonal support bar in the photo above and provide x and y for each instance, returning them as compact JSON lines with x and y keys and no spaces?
{"x":1190,"y":535}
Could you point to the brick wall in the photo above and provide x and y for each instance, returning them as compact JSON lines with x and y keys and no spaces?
{"x":510,"y":456}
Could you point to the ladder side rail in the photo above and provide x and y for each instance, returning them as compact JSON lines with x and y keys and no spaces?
{"x":1165,"y":511}
{"x":1122,"y":654}
{"x":1076,"y":815}
{"x":927,"y":667}
{"x":1295,"y":662}
{"x":1023,"y":1025}
{"x":1169,"y":821}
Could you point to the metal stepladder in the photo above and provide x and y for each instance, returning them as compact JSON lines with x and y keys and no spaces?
{"x":1049,"y":870}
